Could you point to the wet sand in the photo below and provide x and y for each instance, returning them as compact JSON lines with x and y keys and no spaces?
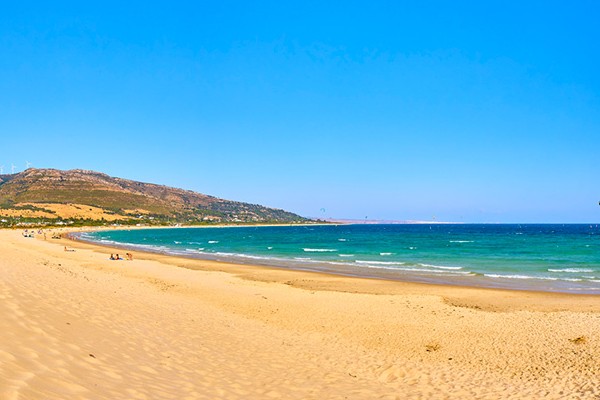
{"x":77,"y":325}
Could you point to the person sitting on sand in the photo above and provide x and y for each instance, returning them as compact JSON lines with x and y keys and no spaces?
{"x":112,"y":257}
{"x":129,"y":256}
{"x":117,"y":257}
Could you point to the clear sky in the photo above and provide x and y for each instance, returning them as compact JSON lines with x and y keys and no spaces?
{"x":466,"y":111}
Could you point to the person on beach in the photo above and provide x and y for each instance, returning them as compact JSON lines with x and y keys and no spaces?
{"x":129,"y":256}
{"x":112,"y":257}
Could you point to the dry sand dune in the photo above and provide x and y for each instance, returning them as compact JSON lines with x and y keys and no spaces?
{"x":65,"y":211}
{"x":75,"y":325}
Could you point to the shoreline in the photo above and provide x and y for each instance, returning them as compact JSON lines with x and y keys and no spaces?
{"x":78,"y":325}
{"x":496,"y":298}
{"x":476,"y":281}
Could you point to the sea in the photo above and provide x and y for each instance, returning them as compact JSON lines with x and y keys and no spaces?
{"x":542,"y":257}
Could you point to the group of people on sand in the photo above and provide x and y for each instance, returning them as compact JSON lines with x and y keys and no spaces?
{"x":128,"y":256}
{"x":29,"y":233}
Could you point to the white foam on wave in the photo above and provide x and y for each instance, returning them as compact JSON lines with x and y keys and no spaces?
{"x":587,"y":289}
{"x":199,"y":250}
{"x":242,"y":255}
{"x":176,"y":242}
{"x":342,"y":240}
{"x":571,"y":270}
{"x":399,"y":265}
{"x":379,"y":262}
{"x":412,"y":248}
{"x":385,"y":254}
{"x":270,"y":248}
{"x":462,"y":241}
{"x":441,"y":266}
{"x":308,"y":250}
{"x":548,"y":278}
{"x":406,"y":268}
{"x":213,"y":241}
{"x":346,"y":255}
{"x":135,"y":245}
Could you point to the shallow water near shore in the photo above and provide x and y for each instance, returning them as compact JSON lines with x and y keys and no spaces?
{"x":561,"y":258}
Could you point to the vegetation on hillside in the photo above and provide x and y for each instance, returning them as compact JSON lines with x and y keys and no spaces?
{"x":32,"y":198}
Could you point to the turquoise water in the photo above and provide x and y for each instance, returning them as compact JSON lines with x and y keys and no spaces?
{"x":562,"y":258}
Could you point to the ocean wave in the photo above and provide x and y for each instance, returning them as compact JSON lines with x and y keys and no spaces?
{"x":149,"y":247}
{"x":412,"y":248}
{"x":441,"y":266}
{"x":342,"y":240}
{"x":213,"y":241}
{"x":346,"y":255}
{"x":242,"y":255}
{"x":431,"y":271}
{"x":462,"y":241}
{"x":385,"y":254}
{"x":308,"y":250}
{"x":571,"y":270}
{"x":196,"y":251}
{"x":548,"y":278}
{"x":379,"y":262}
{"x":419,"y":270}
{"x":176,"y":242}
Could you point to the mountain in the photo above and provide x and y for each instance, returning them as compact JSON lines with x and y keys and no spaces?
{"x":50,"y":196}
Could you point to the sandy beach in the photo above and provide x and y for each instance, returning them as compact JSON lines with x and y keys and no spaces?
{"x":76,"y":325}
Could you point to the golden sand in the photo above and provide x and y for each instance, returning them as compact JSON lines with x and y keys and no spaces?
{"x":76,"y":325}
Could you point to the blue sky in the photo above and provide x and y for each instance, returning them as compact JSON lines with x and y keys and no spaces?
{"x":467,"y":112}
